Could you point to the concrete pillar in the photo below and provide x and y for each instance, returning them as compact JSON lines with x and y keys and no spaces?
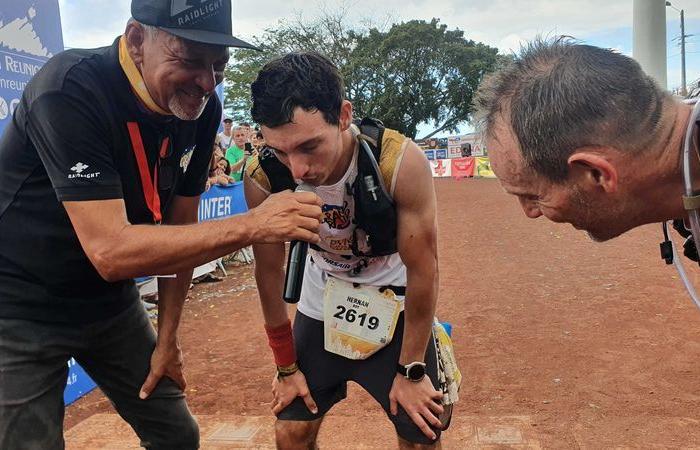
{"x":649,"y":35}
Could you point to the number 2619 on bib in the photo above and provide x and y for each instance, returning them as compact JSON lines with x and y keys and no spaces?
{"x":349,"y":315}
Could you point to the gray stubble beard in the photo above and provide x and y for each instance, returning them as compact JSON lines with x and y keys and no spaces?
{"x":181,"y":113}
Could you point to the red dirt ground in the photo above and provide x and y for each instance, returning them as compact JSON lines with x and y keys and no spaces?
{"x":597,"y":344}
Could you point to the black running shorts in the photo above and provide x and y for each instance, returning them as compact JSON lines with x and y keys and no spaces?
{"x":327,"y":375}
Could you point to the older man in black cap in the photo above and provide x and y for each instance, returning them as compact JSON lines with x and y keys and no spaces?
{"x":106,"y":145}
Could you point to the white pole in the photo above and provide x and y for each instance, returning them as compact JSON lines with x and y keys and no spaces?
{"x":649,"y":31}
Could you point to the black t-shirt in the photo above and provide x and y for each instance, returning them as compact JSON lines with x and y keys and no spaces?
{"x":68,"y":141}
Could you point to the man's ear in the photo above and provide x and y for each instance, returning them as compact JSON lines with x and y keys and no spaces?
{"x":135,"y":38}
{"x":593,"y":169}
{"x":345,"y":115}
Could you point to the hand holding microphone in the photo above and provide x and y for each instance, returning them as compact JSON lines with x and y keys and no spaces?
{"x":296,"y":261}
{"x":284,"y":217}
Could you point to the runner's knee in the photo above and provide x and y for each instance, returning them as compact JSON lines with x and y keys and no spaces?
{"x":410,"y":436}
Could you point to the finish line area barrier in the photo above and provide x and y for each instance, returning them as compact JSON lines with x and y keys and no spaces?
{"x":217,"y":203}
{"x":470,"y":166}
{"x":222,"y":201}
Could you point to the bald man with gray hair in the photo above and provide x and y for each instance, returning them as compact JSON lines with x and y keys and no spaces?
{"x":581,"y":135}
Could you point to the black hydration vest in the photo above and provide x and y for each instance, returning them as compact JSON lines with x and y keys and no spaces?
{"x":375,"y":210}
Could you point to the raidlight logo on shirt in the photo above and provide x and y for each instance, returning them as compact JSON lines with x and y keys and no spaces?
{"x":78,"y":170}
{"x":192,"y":11}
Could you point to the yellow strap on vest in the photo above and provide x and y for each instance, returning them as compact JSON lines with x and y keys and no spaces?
{"x":255,"y":172}
{"x":392,"y":152}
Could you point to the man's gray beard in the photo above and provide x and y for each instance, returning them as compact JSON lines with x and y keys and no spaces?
{"x":181,"y":113}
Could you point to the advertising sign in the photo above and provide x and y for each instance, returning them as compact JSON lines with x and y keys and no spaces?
{"x":30,"y":34}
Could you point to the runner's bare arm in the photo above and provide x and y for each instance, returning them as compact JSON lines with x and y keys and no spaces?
{"x":120,"y":250}
{"x":269,"y":266}
{"x":417,"y":236}
{"x":269,"y":276}
{"x":417,"y":241}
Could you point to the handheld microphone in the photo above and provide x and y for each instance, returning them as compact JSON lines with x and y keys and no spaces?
{"x":296,"y":261}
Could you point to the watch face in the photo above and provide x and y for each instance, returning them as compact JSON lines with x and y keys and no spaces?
{"x":416,"y":372}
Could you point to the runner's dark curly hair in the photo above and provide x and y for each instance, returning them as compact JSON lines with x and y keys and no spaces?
{"x":301,"y":79}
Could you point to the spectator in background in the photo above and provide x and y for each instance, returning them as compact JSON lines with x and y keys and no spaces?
{"x":235,"y":154}
{"x":226,"y":136}
{"x":466,"y":149}
{"x":248,"y":130}
{"x":249,"y":133}
{"x":219,"y":170}
{"x":258,"y":142}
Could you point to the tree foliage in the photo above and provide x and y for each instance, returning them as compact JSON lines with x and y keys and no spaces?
{"x":411,"y":73}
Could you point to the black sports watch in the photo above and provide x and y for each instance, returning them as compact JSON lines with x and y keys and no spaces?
{"x":414,"y":371}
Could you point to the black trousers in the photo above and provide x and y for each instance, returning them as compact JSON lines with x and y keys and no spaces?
{"x":115,"y":352}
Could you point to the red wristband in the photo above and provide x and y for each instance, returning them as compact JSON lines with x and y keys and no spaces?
{"x":281,"y":342}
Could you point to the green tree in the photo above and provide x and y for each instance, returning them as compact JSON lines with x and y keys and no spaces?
{"x":414,"y":72}
{"x":327,"y":34}
{"x":418,"y":72}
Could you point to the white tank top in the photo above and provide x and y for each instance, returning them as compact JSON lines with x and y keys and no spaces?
{"x":336,"y":258}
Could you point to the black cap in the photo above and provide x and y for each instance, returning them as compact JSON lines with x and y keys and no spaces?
{"x":205,"y":21}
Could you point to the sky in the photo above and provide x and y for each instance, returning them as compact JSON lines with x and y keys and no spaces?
{"x":500,"y":23}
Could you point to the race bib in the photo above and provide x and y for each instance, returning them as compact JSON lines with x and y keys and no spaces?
{"x":360,"y":321}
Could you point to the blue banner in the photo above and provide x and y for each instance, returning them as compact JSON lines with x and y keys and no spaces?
{"x":430,"y":154}
{"x":222,"y":201}
{"x":30,"y":34}
{"x":78,"y":384}
{"x":441,"y":153}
